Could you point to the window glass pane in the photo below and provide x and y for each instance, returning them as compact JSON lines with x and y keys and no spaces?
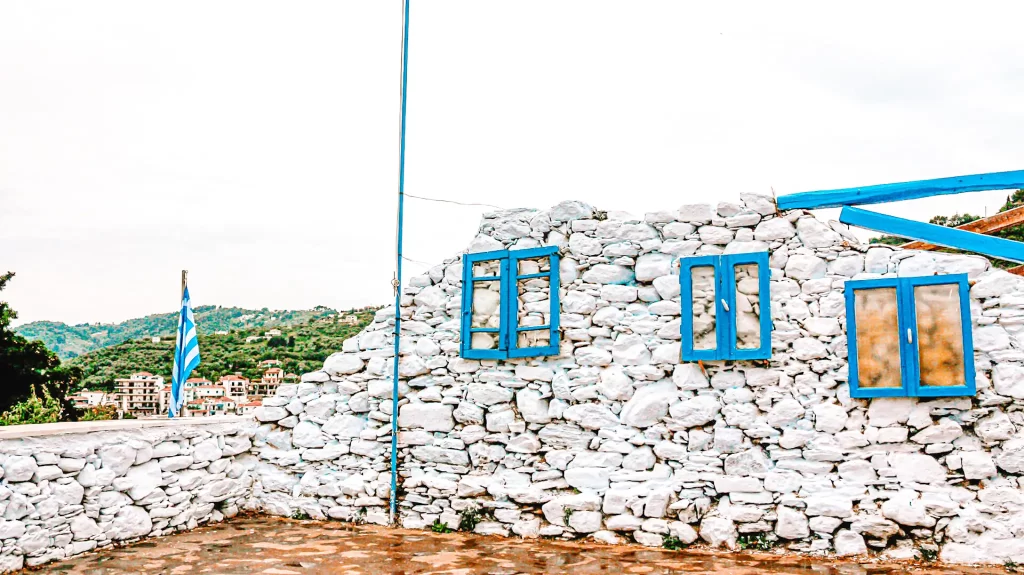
{"x":878,"y":338}
{"x":487,"y":268}
{"x":940,"y":336}
{"x":702,"y":280}
{"x":534,"y":338}
{"x":748,"y":307}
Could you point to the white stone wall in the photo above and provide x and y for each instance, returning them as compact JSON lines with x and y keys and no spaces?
{"x":69,"y":488}
{"x":616,"y":439}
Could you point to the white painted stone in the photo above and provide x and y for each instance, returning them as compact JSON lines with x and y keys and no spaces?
{"x":791,"y":523}
{"x":338,"y":364}
{"x":849,"y":543}
{"x":652,"y":266}
{"x":695,"y":412}
{"x":649,"y":404}
{"x":428,"y":416}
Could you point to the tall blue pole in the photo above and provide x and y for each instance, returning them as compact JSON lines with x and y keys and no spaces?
{"x":398,"y":265}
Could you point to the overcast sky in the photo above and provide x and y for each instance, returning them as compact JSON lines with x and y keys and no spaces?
{"x":255,"y":143}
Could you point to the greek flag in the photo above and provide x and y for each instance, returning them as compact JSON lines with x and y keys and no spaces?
{"x":186,"y":354}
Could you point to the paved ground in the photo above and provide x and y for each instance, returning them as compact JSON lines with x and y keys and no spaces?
{"x":285,"y":547}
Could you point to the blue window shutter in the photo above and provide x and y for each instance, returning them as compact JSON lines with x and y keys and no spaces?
{"x":467,"y":306}
{"x":686,"y":266}
{"x":727,"y":272}
{"x":909,"y":313}
{"x":910,"y":360}
{"x":510,"y":296}
{"x":850,"y":289}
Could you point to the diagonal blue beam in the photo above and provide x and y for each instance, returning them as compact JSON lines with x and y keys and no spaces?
{"x":901,"y":191}
{"x":931,"y":233}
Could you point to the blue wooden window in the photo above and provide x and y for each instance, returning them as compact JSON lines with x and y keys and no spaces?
{"x":726,"y":307}
{"x":910,"y":337}
{"x":510,"y":303}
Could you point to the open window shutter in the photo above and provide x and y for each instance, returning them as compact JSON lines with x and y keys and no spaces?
{"x":532,"y":324}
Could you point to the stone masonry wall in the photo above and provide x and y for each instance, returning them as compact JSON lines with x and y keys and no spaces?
{"x":616,"y":439}
{"x":67,"y":493}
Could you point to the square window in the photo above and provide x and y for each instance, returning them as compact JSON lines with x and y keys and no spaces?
{"x":910,"y":337}
{"x":510,"y":303}
{"x":729,"y":314}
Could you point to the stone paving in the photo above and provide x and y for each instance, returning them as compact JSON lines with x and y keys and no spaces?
{"x":284,"y":547}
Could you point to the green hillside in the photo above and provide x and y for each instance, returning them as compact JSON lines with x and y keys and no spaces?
{"x":300,"y":348}
{"x":69,"y":341}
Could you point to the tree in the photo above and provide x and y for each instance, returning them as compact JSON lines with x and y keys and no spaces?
{"x":30,"y":372}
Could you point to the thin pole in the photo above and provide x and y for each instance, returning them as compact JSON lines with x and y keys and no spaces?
{"x":178,"y":341}
{"x":397,"y":282}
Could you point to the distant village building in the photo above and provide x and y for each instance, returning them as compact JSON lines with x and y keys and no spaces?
{"x":291,"y":378}
{"x":210,"y":390}
{"x":247,"y":408}
{"x":235,"y":386}
{"x":139,"y":394}
{"x":267,"y":385}
{"x":349,"y":319}
{"x":85,"y":399}
{"x":270,"y":363}
{"x":155,"y":339}
{"x":253,"y":338}
{"x":272,"y":333}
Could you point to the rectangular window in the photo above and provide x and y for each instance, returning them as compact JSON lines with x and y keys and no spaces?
{"x":510,"y":303}
{"x":730,"y":308}
{"x":910,"y":337}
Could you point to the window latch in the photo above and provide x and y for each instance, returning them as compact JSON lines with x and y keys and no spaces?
{"x":910,"y":338}
{"x":725,"y":305}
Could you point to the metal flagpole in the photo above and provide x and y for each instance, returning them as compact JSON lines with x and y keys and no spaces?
{"x":180,"y":341}
{"x":397,"y":281}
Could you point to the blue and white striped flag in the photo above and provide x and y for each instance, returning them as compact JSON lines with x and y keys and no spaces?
{"x":186,"y":354}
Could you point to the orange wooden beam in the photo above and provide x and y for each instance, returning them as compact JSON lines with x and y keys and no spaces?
{"x":998,"y":222}
{"x":1019,"y":270}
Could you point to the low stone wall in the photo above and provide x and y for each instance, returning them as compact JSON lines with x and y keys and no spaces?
{"x":68,"y":488}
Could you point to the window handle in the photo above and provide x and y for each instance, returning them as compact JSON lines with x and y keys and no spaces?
{"x":725,"y":305}
{"x":910,"y":338}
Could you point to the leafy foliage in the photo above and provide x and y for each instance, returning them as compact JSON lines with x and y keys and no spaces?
{"x":438,"y":527}
{"x":757,"y":541}
{"x":468,"y":519}
{"x":311,"y":343}
{"x":30,"y":373}
{"x":34,"y":409}
{"x":1016,"y":233}
{"x":672,"y":543}
{"x":71,"y":341}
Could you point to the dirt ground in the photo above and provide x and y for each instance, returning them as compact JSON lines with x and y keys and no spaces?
{"x":284,"y":547}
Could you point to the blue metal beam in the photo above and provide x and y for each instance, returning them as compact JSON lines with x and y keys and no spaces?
{"x":938,"y":235}
{"x":901,"y":191}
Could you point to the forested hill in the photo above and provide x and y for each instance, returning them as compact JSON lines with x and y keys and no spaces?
{"x":69,"y":341}
{"x":300,"y":348}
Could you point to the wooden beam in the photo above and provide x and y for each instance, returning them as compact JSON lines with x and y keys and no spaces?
{"x":1019,"y":270}
{"x":940,"y":235}
{"x":989,"y":225}
{"x":901,"y":191}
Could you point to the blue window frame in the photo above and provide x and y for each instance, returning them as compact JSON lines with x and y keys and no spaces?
{"x":504,"y":314}
{"x":729,"y":315}
{"x":910,"y":337}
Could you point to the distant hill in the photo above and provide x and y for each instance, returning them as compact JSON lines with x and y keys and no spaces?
{"x":69,"y":341}
{"x":300,"y":348}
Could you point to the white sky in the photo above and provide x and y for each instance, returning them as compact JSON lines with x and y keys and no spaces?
{"x":255,"y":143}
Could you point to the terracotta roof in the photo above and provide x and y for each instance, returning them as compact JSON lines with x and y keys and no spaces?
{"x":233,"y":378}
{"x":197,"y":380}
{"x":145,"y":373}
{"x":275,"y":370}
